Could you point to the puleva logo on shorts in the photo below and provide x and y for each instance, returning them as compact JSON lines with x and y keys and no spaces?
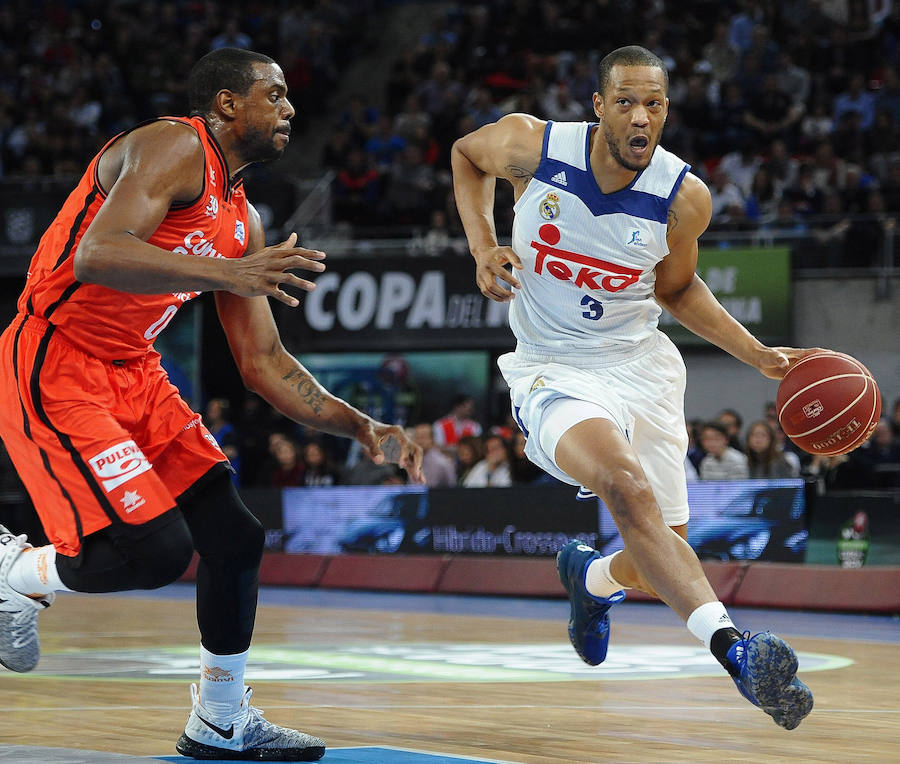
{"x":119,"y":463}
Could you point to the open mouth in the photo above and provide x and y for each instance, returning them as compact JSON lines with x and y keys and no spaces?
{"x":639,"y":144}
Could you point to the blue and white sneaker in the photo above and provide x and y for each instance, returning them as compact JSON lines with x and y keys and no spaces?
{"x":764,"y":673}
{"x":589,"y":615}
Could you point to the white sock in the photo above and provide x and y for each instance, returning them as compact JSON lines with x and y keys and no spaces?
{"x":222,"y":682}
{"x":598,"y":579}
{"x":707,"y":619}
{"x":34,"y":572}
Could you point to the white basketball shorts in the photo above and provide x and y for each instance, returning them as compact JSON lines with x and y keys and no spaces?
{"x":643,"y":397}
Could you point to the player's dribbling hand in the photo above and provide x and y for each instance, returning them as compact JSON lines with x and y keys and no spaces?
{"x":263,"y":272}
{"x":490,"y":265}
{"x":390,"y":443}
{"x":776,"y":361}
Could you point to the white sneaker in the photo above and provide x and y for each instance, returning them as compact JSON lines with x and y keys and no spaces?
{"x":20,"y":647}
{"x":246,"y":736}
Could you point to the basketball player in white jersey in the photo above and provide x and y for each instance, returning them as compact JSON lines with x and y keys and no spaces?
{"x":605,"y":234}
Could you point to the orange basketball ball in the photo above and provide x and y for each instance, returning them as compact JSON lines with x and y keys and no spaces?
{"x":828,"y":403}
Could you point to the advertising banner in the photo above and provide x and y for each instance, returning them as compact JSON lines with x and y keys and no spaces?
{"x":741,"y":520}
{"x":855,"y":529}
{"x":410,"y":303}
{"x":754,"y":286}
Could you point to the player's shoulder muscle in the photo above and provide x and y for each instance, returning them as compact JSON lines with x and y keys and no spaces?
{"x":508,"y":148}
{"x":691,"y":209}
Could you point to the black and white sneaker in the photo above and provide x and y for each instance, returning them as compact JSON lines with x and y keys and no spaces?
{"x":244,"y":737}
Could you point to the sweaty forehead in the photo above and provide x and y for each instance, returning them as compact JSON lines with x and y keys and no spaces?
{"x":646,"y":78}
{"x":268,"y":75}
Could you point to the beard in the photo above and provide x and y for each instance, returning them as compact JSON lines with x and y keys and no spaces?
{"x":617,"y":154}
{"x":258,"y":146}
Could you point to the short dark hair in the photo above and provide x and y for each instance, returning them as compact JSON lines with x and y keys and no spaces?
{"x":225,"y":68}
{"x":630,"y":55}
{"x":717,"y":426}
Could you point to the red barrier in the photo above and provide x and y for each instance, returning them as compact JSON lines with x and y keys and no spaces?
{"x":393,"y":573}
{"x":493,"y":575}
{"x":757,"y":584}
{"x":821,"y":587}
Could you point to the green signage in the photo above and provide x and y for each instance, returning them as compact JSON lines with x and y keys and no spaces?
{"x":754,"y":286}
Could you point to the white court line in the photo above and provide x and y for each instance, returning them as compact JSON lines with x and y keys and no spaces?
{"x":433,"y":706}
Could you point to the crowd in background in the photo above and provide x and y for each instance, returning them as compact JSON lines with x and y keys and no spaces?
{"x":268,"y":450}
{"x":789,"y":110}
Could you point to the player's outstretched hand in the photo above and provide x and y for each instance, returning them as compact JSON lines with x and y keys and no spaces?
{"x":775,"y":362}
{"x":490,"y":265}
{"x":390,"y":443}
{"x":263,"y":272}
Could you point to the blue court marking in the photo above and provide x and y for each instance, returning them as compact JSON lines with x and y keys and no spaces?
{"x":370,"y":754}
{"x":800,"y":623}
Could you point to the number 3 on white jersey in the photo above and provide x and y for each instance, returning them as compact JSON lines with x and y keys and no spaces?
{"x":594,"y":308}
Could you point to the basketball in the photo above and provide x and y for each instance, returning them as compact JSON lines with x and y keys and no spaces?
{"x":828,"y":403}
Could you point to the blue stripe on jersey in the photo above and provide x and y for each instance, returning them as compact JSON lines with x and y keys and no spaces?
{"x":678,"y":183}
{"x":627,"y":201}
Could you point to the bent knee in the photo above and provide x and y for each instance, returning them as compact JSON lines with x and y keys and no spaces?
{"x":162,"y":557}
{"x":629,"y":498}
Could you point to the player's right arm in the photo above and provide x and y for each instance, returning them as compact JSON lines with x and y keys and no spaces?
{"x":510,"y":149}
{"x":153,"y":167}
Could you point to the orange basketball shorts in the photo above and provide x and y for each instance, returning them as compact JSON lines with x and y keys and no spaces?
{"x":96,"y":442}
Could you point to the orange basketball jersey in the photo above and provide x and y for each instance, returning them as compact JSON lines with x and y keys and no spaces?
{"x":115,"y":325}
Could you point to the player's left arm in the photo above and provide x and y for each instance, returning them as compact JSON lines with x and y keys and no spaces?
{"x":685,"y":295}
{"x":269,"y":370}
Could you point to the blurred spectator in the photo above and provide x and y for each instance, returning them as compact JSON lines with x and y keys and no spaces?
{"x":763,"y":456}
{"x":440,"y":90}
{"x":741,"y":165}
{"x":881,"y":457}
{"x":410,"y":185}
{"x":522,"y":470}
{"x":356,"y":190}
{"x":721,"y":54}
{"x":792,"y":80}
{"x":481,"y":108}
{"x":493,"y":470}
{"x":805,"y":196}
{"x":384,"y":145}
{"x":458,"y":424}
{"x":469,"y":451}
{"x":231,"y":37}
{"x":762,"y":201}
{"x":733,"y":422}
{"x":438,"y":468}
{"x":722,"y":462}
{"x":727,"y":201}
{"x":318,"y":469}
{"x":412,"y":120}
{"x":857,"y":100}
{"x":895,"y":419}
{"x":558,"y":104}
{"x":288,"y":469}
{"x":771,"y":113}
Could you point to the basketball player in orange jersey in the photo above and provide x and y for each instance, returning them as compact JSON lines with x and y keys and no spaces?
{"x":126,"y":479}
{"x":605,"y":233}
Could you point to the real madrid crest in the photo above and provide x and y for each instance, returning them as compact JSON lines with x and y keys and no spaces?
{"x":550,"y":206}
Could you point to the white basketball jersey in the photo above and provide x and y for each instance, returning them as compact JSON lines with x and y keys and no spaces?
{"x":588,"y":257}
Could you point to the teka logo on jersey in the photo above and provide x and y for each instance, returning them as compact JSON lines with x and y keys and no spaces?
{"x":119,"y":463}
{"x":196,"y":243}
{"x":593,"y":273}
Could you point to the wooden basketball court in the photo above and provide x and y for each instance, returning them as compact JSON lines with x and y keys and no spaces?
{"x":419,"y":678}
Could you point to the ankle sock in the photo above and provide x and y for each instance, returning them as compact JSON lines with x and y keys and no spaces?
{"x":222,"y":682}
{"x":598,"y":579}
{"x":712,"y":625}
{"x":34,"y":572}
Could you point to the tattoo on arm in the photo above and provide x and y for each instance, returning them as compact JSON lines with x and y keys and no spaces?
{"x":519,"y":173}
{"x":671,"y":222}
{"x":309,"y":391}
